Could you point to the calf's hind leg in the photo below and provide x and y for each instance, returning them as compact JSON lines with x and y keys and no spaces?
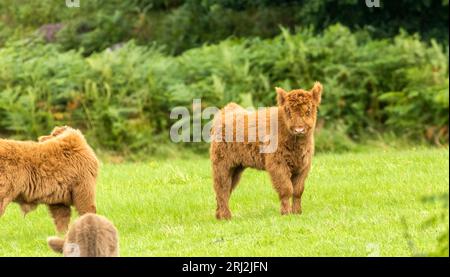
{"x":223,"y":187}
{"x":61,"y":216}
{"x":84,"y":199}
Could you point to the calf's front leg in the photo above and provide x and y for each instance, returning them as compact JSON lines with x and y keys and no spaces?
{"x":281,"y":181}
{"x":298,"y":183}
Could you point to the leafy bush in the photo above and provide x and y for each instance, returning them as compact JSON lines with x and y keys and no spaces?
{"x":185,"y":24}
{"x":122,"y":98}
{"x":333,"y":140}
{"x":438,"y":222}
{"x":110,"y":94}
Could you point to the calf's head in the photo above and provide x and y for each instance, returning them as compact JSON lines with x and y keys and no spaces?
{"x":299,"y":108}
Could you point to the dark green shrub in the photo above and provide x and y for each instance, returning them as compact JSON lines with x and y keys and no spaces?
{"x":122,"y":98}
{"x":185,"y":24}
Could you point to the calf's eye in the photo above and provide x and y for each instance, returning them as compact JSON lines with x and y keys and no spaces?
{"x":288,"y":112}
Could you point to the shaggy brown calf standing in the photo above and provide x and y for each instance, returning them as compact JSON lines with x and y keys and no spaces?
{"x":58,"y":171}
{"x":288,"y":164}
{"x":90,"y":236}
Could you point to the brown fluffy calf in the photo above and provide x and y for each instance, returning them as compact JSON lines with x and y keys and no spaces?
{"x":58,"y":171}
{"x":288,"y":165}
{"x":90,"y":236}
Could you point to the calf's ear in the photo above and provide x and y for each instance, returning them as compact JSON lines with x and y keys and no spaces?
{"x":281,"y":96}
{"x":317,"y":92}
{"x":56,"y":244}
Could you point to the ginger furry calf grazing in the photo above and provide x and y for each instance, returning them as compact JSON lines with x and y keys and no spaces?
{"x":294,"y":121}
{"x":90,"y":236}
{"x":60,"y":170}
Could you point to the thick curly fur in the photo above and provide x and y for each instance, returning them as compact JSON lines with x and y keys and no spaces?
{"x":60,"y":171}
{"x":288,"y":165}
{"x":90,"y":235}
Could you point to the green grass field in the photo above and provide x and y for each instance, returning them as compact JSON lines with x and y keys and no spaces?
{"x":353,"y":205}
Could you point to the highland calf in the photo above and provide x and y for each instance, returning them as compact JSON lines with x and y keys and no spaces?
{"x":90,"y":236}
{"x":294,"y":121}
{"x":60,"y":170}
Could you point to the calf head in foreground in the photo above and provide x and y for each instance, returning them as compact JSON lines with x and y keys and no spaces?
{"x":90,"y":235}
{"x":288,"y":165}
{"x":59,"y":171}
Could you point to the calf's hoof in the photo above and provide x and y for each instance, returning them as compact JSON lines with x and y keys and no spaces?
{"x":285,"y":210}
{"x":296,"y":209}
{"x":223,"y":215}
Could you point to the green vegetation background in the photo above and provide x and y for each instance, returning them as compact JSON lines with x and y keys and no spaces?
{"x":115,"y":69}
